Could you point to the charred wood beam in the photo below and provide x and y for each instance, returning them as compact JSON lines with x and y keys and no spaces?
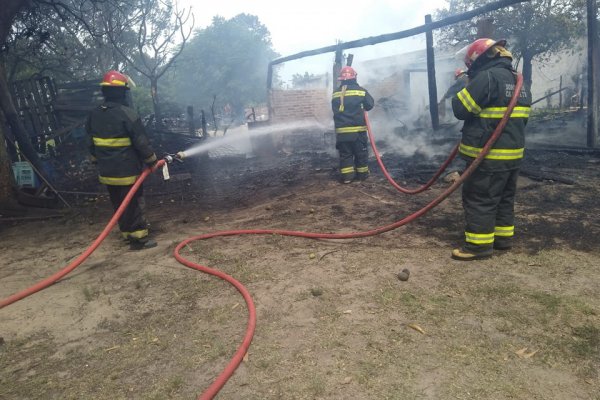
{"x":566,"y":150}
{"x":431,"y":83}
{"x":547,"y":176}
{"x":549,"y":95}
{"x":398,"y":35}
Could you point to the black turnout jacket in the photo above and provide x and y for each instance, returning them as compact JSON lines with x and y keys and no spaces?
{"x":118,"y":143}
{"x":349,"y":102}
{"x":482,"y":104}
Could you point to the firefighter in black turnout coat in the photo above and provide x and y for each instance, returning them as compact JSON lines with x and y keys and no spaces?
{"x":489,"y":193}
{"x":349,"y":103}
{"x":120,"y":147}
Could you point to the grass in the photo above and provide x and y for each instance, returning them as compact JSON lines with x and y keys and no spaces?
{"x":90,"y":294}
{"x":309,"y":347}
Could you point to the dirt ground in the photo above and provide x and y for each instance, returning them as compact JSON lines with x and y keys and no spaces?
{"x":333,"y":320}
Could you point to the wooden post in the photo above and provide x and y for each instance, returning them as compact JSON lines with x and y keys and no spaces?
{"x":203,"y":123}
{"x":433,"y":103}
{"x":593,"y":78}
{"x":192,"y":124}
{"x":560,"y":96}
{"x":269,"y":91}
{"x":485,"y":28}
{"x":337,"y":66}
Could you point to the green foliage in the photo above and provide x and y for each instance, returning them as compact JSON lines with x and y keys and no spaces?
{"x":227,"y":59}
{"x":299,"y":80}
{"x":537,"y":28}
{"x":142,"y":100}
{"x":65,"y":43}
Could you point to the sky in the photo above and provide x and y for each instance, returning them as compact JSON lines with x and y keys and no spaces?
{"x":297,"y":26}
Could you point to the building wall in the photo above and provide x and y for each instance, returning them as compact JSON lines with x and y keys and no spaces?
{"x":297,"y":105}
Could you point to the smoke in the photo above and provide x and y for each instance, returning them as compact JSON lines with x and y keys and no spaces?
{"x":240,"y":139}
{"x":407,"y":139}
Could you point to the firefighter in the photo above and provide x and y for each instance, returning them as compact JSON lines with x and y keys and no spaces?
{"x":460,"y":81}
{"x":349,"y":103}
{"x":120,"y":148}
{"x":488,"y":195}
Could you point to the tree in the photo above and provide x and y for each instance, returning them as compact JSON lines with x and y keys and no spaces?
{"x":65,"y":42}
{"x":156,"y":25}
{"x":299,"y":80}
{"x":27,"y":28}
{"x":227,"y":59}
{"x":536,"y":28}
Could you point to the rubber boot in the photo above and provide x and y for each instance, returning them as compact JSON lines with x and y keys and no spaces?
{"x":466,"y":255}
{"x":502,"y":245}
{"x":362,"y":176}
{"x":142,"y":244}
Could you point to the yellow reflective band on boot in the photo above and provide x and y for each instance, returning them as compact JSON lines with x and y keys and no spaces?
{"x":347,"y":170}
{"x":504,"y":231}
{"x":121,"y":181}
{"x":479,"y":238}
{"x":494,"y":154}
{"x":362,"y":170}
{"x":351,"y":129}
{"x":112,"y":142}
{"x":142,"y":233}
{"x":467,"y":101}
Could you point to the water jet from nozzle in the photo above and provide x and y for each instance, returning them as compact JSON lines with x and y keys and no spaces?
{"x":245,"y":135}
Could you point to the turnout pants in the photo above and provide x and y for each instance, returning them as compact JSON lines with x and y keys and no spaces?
{"x":354,"y":157}
{"x":488,"y":200}
{"x":132,"y":223}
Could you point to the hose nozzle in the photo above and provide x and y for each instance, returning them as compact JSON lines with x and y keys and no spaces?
{"x":170,"y":158}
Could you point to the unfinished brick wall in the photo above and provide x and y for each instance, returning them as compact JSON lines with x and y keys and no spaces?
{"x":297,"y":105}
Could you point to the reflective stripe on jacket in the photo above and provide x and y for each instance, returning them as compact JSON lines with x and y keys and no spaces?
{"x":481,"y":104}
{"x":348,"y":104}
{"x":119,"y":144}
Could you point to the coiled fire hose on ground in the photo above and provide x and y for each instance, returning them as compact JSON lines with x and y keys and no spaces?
{"x":228,"y":371}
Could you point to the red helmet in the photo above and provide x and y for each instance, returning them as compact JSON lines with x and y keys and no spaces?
{"x":347,"y":73}
{"x":479,"y":47}
{"x":115,"y":78}
{"x":459,"y":72}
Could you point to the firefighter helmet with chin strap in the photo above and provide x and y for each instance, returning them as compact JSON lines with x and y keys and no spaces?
{"x":347,"y":73}
{"x":479,"y":47}
{"x":116,"y":79}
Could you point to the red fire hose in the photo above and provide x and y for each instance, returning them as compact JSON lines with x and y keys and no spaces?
{"x":220,"y":381}
{"x":392,"y":181}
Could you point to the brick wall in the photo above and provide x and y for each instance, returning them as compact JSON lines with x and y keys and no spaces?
{"x":297,"y":105}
